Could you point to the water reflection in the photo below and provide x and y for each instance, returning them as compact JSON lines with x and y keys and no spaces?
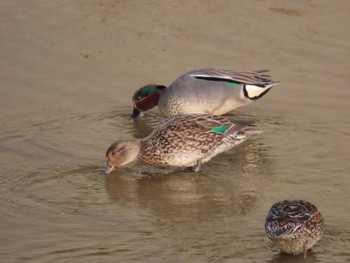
{"x":287,"y":258}
{"x":145,"y":125}
{"x":231,"y":183}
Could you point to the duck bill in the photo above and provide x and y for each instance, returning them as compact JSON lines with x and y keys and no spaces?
{"x":135,"y":114}
{"x":109,"y":168}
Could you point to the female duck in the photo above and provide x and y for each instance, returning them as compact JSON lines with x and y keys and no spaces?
{"x":182,"y":141}
{"x":204,"y":91}
{"x":295,"y":226}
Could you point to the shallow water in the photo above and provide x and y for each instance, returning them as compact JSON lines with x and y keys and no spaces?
{"x":68,"y":71}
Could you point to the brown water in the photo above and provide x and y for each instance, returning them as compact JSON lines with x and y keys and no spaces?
{"x":68,"y":70}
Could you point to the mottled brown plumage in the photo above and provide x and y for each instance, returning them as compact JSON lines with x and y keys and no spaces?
{"x":182,"y":141}
{"x":294,"y":225}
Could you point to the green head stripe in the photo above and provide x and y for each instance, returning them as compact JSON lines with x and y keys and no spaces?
{"x":147,"y":90}
{"x":220,"y":129}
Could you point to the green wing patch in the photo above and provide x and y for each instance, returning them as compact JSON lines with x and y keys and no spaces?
{"x":220,"y":129}
{"x":233,"y":84}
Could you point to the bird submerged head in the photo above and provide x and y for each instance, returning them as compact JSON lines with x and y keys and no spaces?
{"x":121,"y":153}
{"x":146,"y":98}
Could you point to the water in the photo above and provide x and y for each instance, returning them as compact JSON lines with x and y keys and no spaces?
{"x":68,"y":71}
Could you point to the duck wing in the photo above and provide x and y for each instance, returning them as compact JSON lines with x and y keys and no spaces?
{"x":244,"y":77}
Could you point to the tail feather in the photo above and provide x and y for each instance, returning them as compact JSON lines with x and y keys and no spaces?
{"x":257,"y":91}
{"x":244,"y":128}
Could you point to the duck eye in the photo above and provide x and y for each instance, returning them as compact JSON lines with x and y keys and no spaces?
{"x":305,"y":217}
{"x":114,"y":153}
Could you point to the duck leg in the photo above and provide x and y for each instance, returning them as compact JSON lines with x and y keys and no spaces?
{"x":187,"y":170}
{"x":198,"y":166}
{"x":305,"y":251}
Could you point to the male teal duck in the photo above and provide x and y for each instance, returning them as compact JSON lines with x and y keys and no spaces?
{"x":181,"y":141}
{"x":204,"y":91}
{"x":294,"y":225}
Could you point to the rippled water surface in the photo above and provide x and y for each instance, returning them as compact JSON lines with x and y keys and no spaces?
{"x":68,"y":70}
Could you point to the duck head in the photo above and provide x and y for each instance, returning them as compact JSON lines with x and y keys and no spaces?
{"x":146,"y":98}
{"x":121,"y":153}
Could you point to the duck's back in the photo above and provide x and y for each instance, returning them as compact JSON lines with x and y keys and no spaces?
{"x":195,"y":95}
{"x":185,"y":139}
{"x":179,"y":141}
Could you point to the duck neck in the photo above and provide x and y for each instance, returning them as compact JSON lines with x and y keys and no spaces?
{"x":134,"y":149}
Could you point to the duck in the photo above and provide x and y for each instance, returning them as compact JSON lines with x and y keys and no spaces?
{"x":204,"y":91}
{"x":294,"y":226}
{"x":181,"y":141}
